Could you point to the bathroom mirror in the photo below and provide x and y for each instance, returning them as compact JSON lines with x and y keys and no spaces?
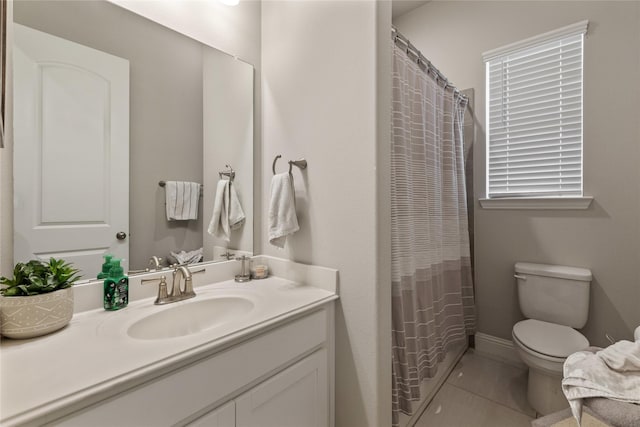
{"x":190,"y":114}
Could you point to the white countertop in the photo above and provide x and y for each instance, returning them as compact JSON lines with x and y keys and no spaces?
{"x":94,"y":355}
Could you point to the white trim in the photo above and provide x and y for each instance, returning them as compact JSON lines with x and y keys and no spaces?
{"x":497,"y":348}
{"x":552,"y":203}
{"x":569,"y":30}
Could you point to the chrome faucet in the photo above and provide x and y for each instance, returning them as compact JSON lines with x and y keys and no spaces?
{"x":228,"y":255}
{"x":176,"y":290}
{"x":177,"y":293}
{"x":155,"y":262}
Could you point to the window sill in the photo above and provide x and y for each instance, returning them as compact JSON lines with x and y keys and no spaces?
{"x":567,"y":203}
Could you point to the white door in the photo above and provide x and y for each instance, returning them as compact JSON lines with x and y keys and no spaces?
{"x":71,"y":157}
{"x":296,"y":397}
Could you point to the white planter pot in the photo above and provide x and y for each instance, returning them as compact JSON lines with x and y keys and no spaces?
{"x":27,"y":317}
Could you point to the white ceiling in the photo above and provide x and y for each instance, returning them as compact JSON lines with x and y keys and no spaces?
{"x":400,"y":7}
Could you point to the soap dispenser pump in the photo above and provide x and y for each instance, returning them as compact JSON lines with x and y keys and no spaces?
{"x":116,"y":287}
{"x":106,"y":266}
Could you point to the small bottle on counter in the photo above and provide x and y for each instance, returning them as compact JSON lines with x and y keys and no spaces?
{"x":116,"y":288}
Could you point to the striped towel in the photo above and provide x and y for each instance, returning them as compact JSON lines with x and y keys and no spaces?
{"x":182,"y":200}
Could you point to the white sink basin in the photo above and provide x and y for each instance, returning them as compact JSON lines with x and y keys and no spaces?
{"x":190,"y":317}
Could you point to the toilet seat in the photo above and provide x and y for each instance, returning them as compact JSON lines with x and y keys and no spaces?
{"x":549,"y":341}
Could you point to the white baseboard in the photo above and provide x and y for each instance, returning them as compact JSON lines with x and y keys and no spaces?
{"x":497,"y":348}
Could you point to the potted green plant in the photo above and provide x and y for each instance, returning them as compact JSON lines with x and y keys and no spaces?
{"x":38,"y":299}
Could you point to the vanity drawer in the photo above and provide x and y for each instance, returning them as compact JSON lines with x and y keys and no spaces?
{"x":203,"y":385}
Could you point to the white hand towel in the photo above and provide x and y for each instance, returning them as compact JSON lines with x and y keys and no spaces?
{"x":182,"y":199}
{"x":219,"y":225}
{"x":236,"y":213}
{"x":282,"y":209}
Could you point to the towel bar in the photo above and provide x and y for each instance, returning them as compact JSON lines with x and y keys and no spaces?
{"x":164,"y":183}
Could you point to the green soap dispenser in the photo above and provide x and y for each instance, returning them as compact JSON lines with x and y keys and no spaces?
{"x":116,"y":287}
{"x":106,"y":266}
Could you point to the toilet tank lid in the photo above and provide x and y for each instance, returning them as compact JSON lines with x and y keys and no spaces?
{"x":559,"y":271}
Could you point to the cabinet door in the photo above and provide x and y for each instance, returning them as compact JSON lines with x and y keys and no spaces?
{"x":224,"y":416}
{"x":296,"y":397}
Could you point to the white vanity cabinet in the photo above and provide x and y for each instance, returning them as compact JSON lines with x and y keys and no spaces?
{"x":280,"y":377}
{"x":295,"y":397}
{"x":219,"y":417}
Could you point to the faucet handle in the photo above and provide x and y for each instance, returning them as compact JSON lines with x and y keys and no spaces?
{"x":228,"y":255}
{"x":145,"y":281}
{"x":163,"y":295}
{"x":155,"y":262}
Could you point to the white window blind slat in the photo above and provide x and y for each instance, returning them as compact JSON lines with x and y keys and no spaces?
{"x":547,"y":66}
{"x":524,"y":174}
{"x":535,"y":116}
{"x":568,"y":53}
{"x":539,"y":108}
{"x":526,"y":148}
{"x":552,"y":96}
{"x":543,"y":137}
{"x":540,"y":70}
{"x":536,"y":130}
{"x":552,"y":76}
{"x":551,"y":90}
{"x":549,"y":166}
{"x":567,"y":117}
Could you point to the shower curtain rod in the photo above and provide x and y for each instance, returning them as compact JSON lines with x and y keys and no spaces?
{"x":411,"y":50}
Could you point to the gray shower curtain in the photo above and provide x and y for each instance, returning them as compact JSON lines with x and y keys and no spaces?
{"x":432,"y":289}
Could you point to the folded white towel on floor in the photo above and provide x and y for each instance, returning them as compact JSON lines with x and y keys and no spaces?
{"x":182,"y":199}
{"x":613,"y":372}
{"x":227,"y":214}
{"x":282,"y":209}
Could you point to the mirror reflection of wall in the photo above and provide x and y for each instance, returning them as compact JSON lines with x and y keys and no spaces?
{"x":166,"y":119}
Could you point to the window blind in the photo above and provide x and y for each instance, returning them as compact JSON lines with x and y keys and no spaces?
{"x":534,"y":118}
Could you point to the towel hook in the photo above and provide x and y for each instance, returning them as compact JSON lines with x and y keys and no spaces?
{"x":301,"y":163}
{"x":273,"y":167}
{"x":230,"y":173}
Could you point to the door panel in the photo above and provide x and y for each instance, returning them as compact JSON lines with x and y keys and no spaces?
{"x":71,"y":102}
{"x":219,"y":417}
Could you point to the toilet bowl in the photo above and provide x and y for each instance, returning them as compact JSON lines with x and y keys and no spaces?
{"x":544,"y":347}
{"x":555,"y":300}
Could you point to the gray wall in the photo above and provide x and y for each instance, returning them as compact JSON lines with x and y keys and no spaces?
{"x":166,"y":110}
{"x":326,"y":79}
{"x":604,"y":238}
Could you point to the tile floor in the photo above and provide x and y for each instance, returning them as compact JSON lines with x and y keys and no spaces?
{"x":480,"y":392}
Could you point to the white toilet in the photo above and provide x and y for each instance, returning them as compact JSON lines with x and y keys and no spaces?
{"x":555,"y":299}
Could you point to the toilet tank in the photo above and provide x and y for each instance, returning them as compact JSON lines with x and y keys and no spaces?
{"x":554,"y":293}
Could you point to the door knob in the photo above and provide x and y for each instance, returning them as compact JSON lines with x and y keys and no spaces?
{"x":121,"y":235}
